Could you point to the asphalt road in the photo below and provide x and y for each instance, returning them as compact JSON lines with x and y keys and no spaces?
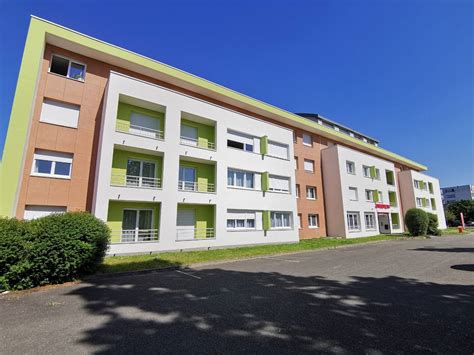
{"x":414,"y":296}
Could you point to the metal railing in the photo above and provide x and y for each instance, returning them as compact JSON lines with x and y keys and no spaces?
{"x":136,"y":181}
{"x":183,"y":234}
{"x":136,"y":235}
{"x":197,"y":143}
{"x":196,"y":186}
{"x":125,"y":127}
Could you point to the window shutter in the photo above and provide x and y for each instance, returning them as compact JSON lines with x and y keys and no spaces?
{"x":392,"y":198}
{"x":266,"y":220}
{"x":433,"y":203}
{"x":395,"y":219}
{"x":375,"y":195}
{"x":372,"y":172}
{"x":265,"y":181}
{"x":264,"y":145}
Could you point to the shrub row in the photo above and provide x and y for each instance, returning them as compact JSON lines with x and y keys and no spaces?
{"x":51,"y":249}
{"x":421,"y":223}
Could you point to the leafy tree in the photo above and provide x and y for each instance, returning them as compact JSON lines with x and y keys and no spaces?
{"x":464,"y":206}
{"x":416,"y":221}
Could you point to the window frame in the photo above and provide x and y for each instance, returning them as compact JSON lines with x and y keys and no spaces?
{"x":37,"y":155}
{"x":244,"y":179}
{"x":357,"y":219}
{"x":316,"y":218}
{"x":282,"y":227}
{"x":350,"y":163}
{"x":68,"y":67}
{"x":309,"y":188}
{"x":304,"y":167}
{"x":310,"y":144}
{"x":270,"y":176}
{"x":367,"y":226}
{"x":371,"y":195}
{"x":351,"y":188}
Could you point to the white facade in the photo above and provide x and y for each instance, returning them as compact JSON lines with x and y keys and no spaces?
{"x":227,"y":201}
{"x":347,"y":190}
{"x":418,"y":195}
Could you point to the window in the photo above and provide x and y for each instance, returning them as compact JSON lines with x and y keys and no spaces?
{"x":280,"y":219}
{"x":277,"y":150}
{"x":371,"y":172}
{"x":144,"y":125}
{"x":395,"y":220}
{"x":369,"y":221}
{"x":297,"y":191}
{"x":237,"y":178}
{"x":32,"y":212}
{"x":59,"y":113}
{"x":279,"y":184}
{"x":369,"y":195}
{"x":353,"y":222}
{"x":240,"y":220}
{"x":430,"y":188}
{"x":141,"y":173}
{"x":52,"y":164}
{"x":296,"y":163}
{"x":300,"y":221}
{"x":377,"y":174}
{"x":350,"y":166}
{"x":390,"y":176}
{"x":309,"y":165}
{"x":240,"y":141}
{"x":427,"y":203}
{"x":311,"y":192}
{"x":353,"y":195}
{"x":68,"y":68}
{"x":313,"y":221}
{"x":380,"y":196}
{"x":419,"y":202}
{"x":433,"y":204}
{"x":307,"y":140}
{"x":366,"y":170}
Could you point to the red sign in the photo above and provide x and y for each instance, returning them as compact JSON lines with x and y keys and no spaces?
{"x":381,"y":205}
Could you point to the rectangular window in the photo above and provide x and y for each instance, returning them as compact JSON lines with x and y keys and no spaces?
{"x":369,"y":195}
{"x":366,"y":170}
{"x":353,"y":221}
{"x":309,"y":165}
{"x":369,"y":221}
{"x":350,"y":167}
{"x":52,"y":164}
{"x":279,"y":184}
{"x":296,"y":163}
{"x":313,"y":221}
{"x":307,"y":140}
{"x":277,"y":150}
{"x":59,"y":113}
{"x":300,"y":221}
{"x":311,"y":192}
{"x":377,"y":174}
{"x":68,"y":68}
{"x":281,"y":220}
{"x":240,"y":220}
{"x":430,"y":188}
{"x":353,"y":195}
{"x":395,"y":220}
{"x":237,"y":178}
{"x":416,"y":184}
{"x":427,"y":203}
{"x":419,"y":202}
{"x":297,"y":191}
{"x":240,"y":141}
{"x":433,"y":204}
{"x":32,"y":212}
{"x":390,"y":176}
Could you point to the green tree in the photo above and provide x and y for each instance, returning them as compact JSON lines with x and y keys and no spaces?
{"x":464,"y":206}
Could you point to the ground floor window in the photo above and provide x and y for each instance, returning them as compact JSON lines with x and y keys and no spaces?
{"x":281,"y":220}
{"x":353,"y":221}
{"x":241,"y":220}
{"x":313,"y":221}
{"x":369,"y":220}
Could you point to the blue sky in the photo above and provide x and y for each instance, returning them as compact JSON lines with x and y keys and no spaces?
{"x":400,"y":71}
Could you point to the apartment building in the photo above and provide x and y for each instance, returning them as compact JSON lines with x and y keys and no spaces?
{"x":457,"y":193}
{"x":172,"y":161}
{"x":418,"y":190}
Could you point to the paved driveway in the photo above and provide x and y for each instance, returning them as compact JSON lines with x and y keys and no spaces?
{"x":414,"y":296}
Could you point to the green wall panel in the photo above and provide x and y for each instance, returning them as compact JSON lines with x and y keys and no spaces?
{"x":205,"y":173}
{"x":119,"y":164}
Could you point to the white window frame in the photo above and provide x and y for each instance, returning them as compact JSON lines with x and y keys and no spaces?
{"x":312,"y":225}
{"x":45,"y":116}
{"x":68,"y":67}
{"x":416,"y":184}
{"x":369,"y":226}
{"x":369,"y":193}
{"x":286,"y":146}
{"x":244,"y":136}
{"x":235,"y":171}
{"x":420,"y":200}
{"x":308,"y":161}
{"x":53,"y":157}
{"x":273,"y":189}
{"x":356,"y":193}
{"x":310,"y":144}
{"x":274,"y":215}
{"x":246,"y":222}
{"x":350,"y":164}
{"x":297,"y":190}
{"x":308,"y":195}
{"x":351,"y":218}
{"x":39,"y":211}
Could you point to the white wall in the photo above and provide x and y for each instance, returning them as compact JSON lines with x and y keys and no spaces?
{"x":224,"y":198}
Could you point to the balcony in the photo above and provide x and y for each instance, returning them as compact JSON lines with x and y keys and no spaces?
{"x":197,"y":132}
{"x":136,"y":235}
{"x":196,"y":176}
{"x":140,"y":118}
{"x":195,"y":222}
{"x":194,"y":234}
{"x":135,"y":181}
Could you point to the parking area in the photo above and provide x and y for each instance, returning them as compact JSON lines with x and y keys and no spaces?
{"x":399,"y":296}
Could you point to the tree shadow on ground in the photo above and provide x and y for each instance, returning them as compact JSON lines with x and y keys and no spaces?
{"x":218,"y":311}
{"x":447,"y":250}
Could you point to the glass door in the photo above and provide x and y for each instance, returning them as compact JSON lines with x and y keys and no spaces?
{"x":129,"y":225}
{"x":187,"y":179}
{"x":189,"y":135}
{"x":141,"y":173}
{"x":148,"y":174}
{"x":137,"y":225}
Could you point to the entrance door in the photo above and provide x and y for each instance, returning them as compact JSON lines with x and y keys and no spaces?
{"x":384,"y":223}
{"x":185,"y":224}
{"x":187,"y":178}
{"x":189,"y":135}
{"x":137,"y":225}
{"x":144,"y":125}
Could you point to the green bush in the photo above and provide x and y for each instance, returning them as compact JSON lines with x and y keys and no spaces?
{"x":416,"y":221}
{"x":433,"y":224}
{"x":52,"y":249}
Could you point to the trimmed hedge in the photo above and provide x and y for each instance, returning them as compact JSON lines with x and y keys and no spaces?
{"x":433,"y":224}
{"x":416,"y":221}
{"x":51,"y":249}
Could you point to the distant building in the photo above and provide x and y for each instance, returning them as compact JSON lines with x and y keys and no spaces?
{"x":457,"y":193}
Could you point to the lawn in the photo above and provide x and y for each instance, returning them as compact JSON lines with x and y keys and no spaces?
{"x":454,"y":230}
{"x":162,"y":260}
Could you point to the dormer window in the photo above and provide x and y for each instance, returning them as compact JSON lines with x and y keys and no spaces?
{"x":68,"y":68}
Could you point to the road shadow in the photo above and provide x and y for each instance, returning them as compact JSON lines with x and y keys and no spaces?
{"x":447,"y":250}
{"x":463,"y":267}
{"x":217,"y":311}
